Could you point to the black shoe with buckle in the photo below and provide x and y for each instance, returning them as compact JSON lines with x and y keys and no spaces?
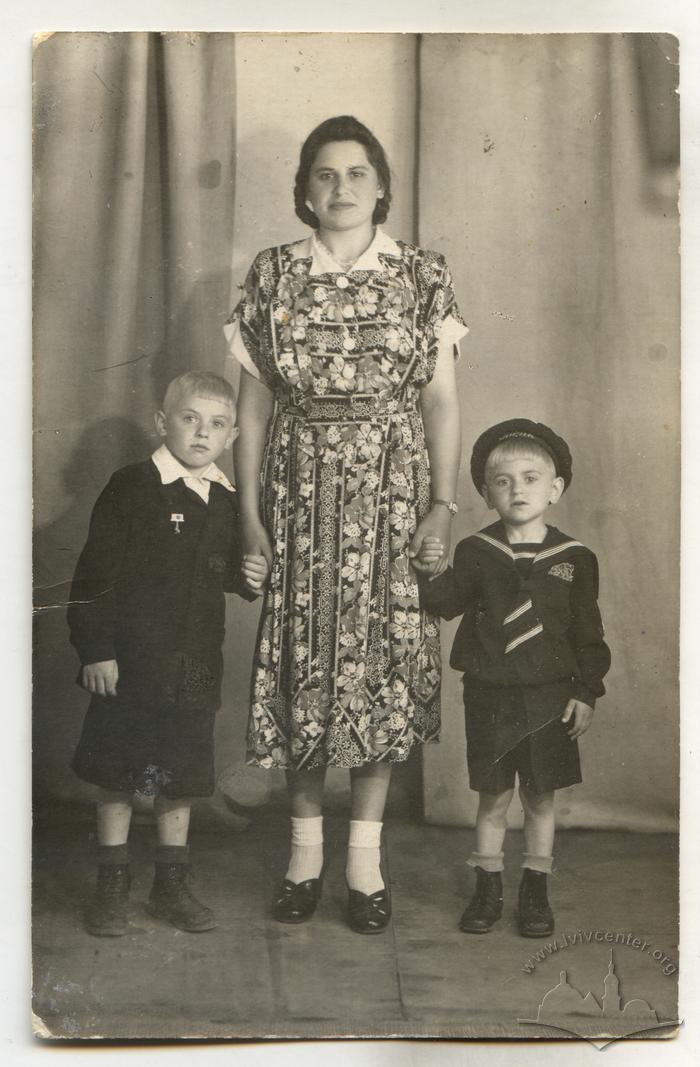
{"x":106,"y":914}
{"x":171,"y":899}
{"x":369,"y":914}
{"x":486,"y":906}
{"x":535,"y":918}
{"x":296,"y":901}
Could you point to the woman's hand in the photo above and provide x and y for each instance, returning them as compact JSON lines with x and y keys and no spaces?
{"x":441,"y":420}
{"x":255,"y":541}
{"x":436,"y":524}
{"x":255,"y":403}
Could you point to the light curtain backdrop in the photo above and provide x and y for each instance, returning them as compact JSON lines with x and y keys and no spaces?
{"x":542,"y":166}
{"x":134,"y":197}
{"x":551,"y":189}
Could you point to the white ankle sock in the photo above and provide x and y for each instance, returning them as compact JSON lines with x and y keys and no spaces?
{"x":543,"y":864}
{"x":487,"y":862}
{"x":362,"y":870}
{"x":306,"y":859}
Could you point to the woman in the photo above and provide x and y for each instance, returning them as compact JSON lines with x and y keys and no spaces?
{"x":348,"y":415}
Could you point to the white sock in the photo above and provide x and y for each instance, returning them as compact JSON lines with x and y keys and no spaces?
{"x":543,"y":864}
{"x":306,"y":859}
{"x":362,"y":870}
{"x":487,"y":862}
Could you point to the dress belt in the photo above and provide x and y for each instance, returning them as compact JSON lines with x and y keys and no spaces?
{"x":344,"y":409}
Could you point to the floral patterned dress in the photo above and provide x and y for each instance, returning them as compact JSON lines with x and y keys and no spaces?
{"x":347,"y":666}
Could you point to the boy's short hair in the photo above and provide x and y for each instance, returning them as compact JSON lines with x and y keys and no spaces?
{"x":533,"y":438}
{"x":199,"y":383}
{"x":518,"y":446}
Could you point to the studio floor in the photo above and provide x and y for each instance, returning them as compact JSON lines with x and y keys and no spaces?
{"x":253,"y":977}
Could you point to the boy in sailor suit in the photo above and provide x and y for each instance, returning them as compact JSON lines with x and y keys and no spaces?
{"x":531,"y":649}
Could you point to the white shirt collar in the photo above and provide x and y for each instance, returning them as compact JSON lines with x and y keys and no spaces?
{"x":170,"y":469}
{"x":322,"y":262}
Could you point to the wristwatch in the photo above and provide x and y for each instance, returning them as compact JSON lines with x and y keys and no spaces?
{"x":449,"y":504}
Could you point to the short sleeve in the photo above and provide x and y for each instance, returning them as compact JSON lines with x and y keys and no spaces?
{"x":440,"y":320}
{"x":245,"y":327}
{"x":237,"y":348}
{"x":452,"y":332}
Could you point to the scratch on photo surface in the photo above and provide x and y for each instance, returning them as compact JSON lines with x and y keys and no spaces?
{"x":69,"y":603}
{"x":111,"y":91}
{"x":125,"y":363}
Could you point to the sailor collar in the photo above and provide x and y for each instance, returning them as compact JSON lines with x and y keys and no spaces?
{"x":492,"y":540}
{"x":322,"y":262}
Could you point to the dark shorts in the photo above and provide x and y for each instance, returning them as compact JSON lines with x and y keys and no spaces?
{"x":152,"y":749}
{"x":505,"y":738}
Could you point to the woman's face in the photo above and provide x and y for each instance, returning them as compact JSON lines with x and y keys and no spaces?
{"x":343,"y":186}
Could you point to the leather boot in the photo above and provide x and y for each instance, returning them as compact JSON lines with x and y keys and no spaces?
{"x":535,"y":918}
{"x":486,"y":905}
{"x":106,"y":915}
{"x":171,"y":899}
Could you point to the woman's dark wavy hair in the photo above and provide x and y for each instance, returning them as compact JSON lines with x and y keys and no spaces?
{"x":341,"y":128}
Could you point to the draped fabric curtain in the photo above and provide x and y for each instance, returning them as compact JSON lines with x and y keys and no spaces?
{"x":547,"y":177}
{"x":134,"y":157}
{"x":134,"y":197}
{"x":541,"y":165}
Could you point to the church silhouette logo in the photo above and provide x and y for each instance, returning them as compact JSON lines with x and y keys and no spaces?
{"x":565,"y":1008}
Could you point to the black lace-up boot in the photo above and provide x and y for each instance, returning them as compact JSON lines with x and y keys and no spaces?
{"x":171,"y":898}
{"x":106,"y":914}
{"x":535,"y":918}
{"x":486,"y":905}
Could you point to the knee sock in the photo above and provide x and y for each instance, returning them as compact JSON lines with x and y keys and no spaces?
{"x":486,"y":862}
{"x":306,"y":859}
{"x":112,"y":855}
{"x":172,"y":854}
{"x":543,"y":864}
{"x":362,"y":869}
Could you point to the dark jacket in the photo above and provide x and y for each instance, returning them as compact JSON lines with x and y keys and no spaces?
{"x":151,"y":597}
{"x":555,"y":634}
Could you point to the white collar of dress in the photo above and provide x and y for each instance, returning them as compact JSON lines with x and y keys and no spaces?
{"x":170,"y":469}
{"x":322,"y":262}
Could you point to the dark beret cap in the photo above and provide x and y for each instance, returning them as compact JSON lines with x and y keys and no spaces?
{"x":521,"y":428}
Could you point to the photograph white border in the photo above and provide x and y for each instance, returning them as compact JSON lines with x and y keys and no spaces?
{"x":681,"y":17}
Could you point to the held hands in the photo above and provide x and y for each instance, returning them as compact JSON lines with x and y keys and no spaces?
{"x":255,"y":571}
{"x":101,"y":678}
{"x":435,"y":527}
{"x":582,"y":716}
{"x":255,"y":540}
{"x":431,"y":558}
{"x":257,"y":555}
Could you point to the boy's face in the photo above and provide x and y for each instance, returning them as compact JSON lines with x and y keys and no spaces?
{"x":197,"y":429}
{"x":521,"y":488}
